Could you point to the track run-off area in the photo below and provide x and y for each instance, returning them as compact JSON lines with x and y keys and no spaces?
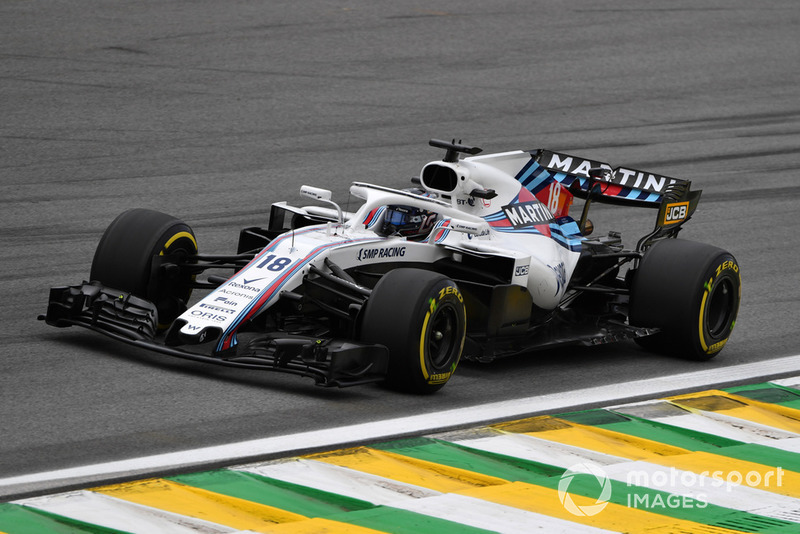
{"x":713,"y":460}
{"x":211,"y":111}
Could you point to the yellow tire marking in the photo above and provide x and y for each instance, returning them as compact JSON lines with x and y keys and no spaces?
{"x":702,"y":316}
{"x":177,"y":236}
{"x":422,"y":336}
{"x":170,"y":241}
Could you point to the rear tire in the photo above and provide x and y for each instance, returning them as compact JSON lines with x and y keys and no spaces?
{"x":420,"y":317}
{"x":691,"y":291}
{"x":128,"y":258}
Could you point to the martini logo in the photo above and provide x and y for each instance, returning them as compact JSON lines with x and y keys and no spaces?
{"x":603,"y":489}
{"x":625,"y":177}
{"x":527,"y":214}
{"x":571,"y":164}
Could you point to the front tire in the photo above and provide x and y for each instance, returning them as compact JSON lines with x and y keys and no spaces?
{"x":420,"y":317}
{"x":129,"y":256}
{"x":691,"y":292}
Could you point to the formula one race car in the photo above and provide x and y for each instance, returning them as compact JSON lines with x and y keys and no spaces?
{"x":480,"y":259}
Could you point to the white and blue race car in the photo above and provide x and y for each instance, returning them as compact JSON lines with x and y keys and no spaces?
{"x":480,"y":259}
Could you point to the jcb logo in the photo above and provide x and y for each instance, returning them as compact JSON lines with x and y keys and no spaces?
{"x":676,"y":213}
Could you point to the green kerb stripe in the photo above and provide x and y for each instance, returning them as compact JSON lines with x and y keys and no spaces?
{"x":16,"y":519}
{"x":684,"y":438}
{"x":396,"y":521}
{"x":688,"y":439}
{"x":671,"y":505}
{"x":773,"y":393}
{"x":632,"y":496}
{"x":477,"y":461}
{"x":761,"y":454}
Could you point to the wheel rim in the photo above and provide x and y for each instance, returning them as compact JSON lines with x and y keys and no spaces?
{"x":441,"y":336}
{"x":720,"y":308}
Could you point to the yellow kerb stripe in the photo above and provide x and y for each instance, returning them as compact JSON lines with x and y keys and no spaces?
{"x":202,"y":504}
{"x":614,"y":517}
{"x":725,"y":403}
{"x":606,"y":441}
{"x":738,"y":472}
{"x":318,"y":526}
{"x":406,"y":469}
{"x":592,"y":438}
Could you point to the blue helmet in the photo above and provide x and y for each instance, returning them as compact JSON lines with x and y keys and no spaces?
{"x":407,"y":221}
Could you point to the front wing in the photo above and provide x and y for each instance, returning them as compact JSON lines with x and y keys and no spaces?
{"x":133,"y":320}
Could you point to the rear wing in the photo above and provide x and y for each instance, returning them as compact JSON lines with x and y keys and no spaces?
{"x":597,"y":181}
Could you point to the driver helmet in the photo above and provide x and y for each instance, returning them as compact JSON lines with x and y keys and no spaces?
{"x":407,"y":221}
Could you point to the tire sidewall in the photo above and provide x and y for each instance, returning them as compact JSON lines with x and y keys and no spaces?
{"x":679,"y":288}
{"x":128,"y":256}
{"x":404,"y":308}
{"x":444,"y":298}
{"x":722,"y":280}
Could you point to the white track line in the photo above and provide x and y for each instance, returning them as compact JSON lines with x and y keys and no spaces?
{"x":382,"y":430}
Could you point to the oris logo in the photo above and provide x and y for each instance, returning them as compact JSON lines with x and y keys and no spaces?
{"x":209,"y":316}
{"x":676,"y":213}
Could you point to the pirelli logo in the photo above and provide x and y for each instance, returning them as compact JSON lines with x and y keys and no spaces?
{"x":675,"y":213}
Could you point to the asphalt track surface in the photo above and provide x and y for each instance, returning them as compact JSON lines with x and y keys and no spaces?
{"x":212,"y":110}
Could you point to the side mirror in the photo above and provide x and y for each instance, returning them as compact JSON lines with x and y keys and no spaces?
{"x":469,"y":227}
{"x":317,"y":193}
{"x":323,"y":195}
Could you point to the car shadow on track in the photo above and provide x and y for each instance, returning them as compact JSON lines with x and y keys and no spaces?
{"x":275,"y":382}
